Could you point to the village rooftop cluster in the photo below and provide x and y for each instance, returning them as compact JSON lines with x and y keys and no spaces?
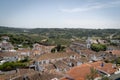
{"x":77,"y":62}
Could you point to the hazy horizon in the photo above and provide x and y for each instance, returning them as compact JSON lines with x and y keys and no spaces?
{"x":53,"y":28}
{"x":87,"y":14}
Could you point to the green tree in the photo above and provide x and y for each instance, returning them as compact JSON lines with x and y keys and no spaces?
{"x":11,"y":65}
{"x":53,"y":50}
{"x":104,"y":77}
{"x":98,"y":47}
{"x":92,"y":74}
{"x":58,"y":48}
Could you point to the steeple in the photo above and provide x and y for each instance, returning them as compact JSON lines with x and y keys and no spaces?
{"x":88,"y":42}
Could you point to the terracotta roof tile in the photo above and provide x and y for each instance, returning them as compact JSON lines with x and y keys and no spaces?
{"x":80,"y":72}
{"x":115,"y":52}
{"x":87,"y":51}
{"x":56,"y":55}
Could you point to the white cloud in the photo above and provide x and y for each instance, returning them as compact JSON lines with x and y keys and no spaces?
{"x":92,"y":6}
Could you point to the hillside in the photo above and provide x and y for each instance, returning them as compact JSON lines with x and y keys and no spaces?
{"x":51,"y":36}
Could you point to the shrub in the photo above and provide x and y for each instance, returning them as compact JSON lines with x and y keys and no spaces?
{"x":98,"y":47}
{"x":58,"y":48}
{"x":11,"y":66}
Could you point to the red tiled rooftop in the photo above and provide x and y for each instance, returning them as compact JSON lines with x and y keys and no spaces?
{"x":115,"y":52}
{"x":80,"y":72}
{"x":87,"y":51}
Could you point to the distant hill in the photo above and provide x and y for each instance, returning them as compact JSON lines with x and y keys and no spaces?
{"x":10,"y":30}
{"x":56,"y":35}
{"x":69,"y":32}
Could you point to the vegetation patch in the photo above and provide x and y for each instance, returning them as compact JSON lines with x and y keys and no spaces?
{"x":11,"y":66}
{"x":98,"y":47}
{"x":7,"y":66}
{"x":58,"y":48}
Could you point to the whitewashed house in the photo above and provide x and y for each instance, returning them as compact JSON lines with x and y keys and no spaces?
{"x":6,"y":46}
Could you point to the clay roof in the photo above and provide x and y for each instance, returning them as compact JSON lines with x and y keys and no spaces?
{"x":87,"y":51}
{"x":31,"y":74}
{"x":24,"y":50}
{"x":80,"y":72}
{"x":108,"y":67}
{"x":115,"y":52}
{"x":67,"y":79}
{"x":56,"y":55}
{"x":43,"y":46}
{"x":7,"y":54}
{"x":36,"y":51}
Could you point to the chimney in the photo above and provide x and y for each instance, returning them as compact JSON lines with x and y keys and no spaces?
{"x":102,"y":64}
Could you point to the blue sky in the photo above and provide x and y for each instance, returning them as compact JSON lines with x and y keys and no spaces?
{"x":60,"y":13}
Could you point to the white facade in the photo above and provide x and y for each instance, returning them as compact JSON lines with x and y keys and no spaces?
{"x":88,"y":41}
